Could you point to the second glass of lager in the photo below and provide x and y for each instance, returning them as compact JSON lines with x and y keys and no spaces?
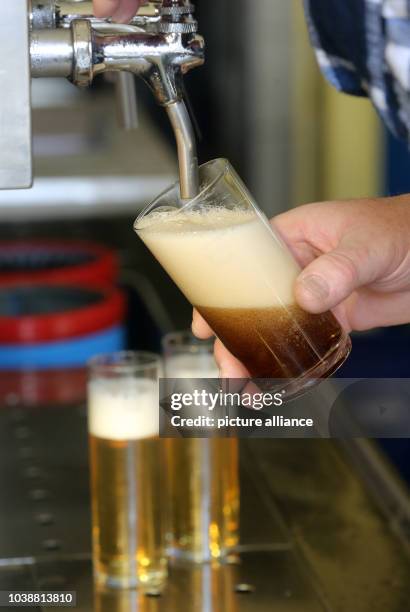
{"x":202,"y":473}
{"x":128,"y":531}
{"x":227,"y":259}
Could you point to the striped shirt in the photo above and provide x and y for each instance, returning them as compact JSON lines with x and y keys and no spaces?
{"x":363,"y":48}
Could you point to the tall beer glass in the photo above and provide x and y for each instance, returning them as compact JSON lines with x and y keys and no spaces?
{"x":234,"y":268}
{"x":202,"y":473}
{"x":126,"y":469}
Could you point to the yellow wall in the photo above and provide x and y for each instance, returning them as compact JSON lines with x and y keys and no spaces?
{"x":350,"y":145}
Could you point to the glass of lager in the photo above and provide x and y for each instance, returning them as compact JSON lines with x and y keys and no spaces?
{"x":235,"y":269}
{"x":128,"y":531}
{"x":202,"y":473}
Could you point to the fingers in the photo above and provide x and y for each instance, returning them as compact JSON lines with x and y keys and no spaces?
{"x":121,"y":11}
{"x":333,"y":277}
{"x":291,"y":225}
{"x":309,"y":230}
{"x":368,"y":309}
{"x":229,"y":366}
{"x":105,"y":8}
{"x":126,"y":10}
{"x":344,"y":246}
{"x":320,"y":224}
{"x":200,"y":327}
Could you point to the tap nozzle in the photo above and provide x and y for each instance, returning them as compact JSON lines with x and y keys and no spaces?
{"x":160,"y":46}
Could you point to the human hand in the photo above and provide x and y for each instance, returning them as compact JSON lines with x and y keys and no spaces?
{"x":121,"y":11}
{"x":356,"y":260}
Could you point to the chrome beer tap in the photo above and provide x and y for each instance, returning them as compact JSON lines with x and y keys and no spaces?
{"x":64,"y":39}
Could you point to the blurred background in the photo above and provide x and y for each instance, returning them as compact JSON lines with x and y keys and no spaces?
{"x":261,"y":101}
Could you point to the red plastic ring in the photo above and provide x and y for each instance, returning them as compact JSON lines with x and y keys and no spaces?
{"x":101,"y":270}
{"x":71,"y":323}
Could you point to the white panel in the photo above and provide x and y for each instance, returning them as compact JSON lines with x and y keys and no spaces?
{"x":15,"y":112}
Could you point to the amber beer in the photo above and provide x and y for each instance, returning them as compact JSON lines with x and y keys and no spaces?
{"x":202,"y":473}
{"x":126,"y":472}
{"x":274,"y":342}
{"x":211,"y":587}
{"x":231,"y":265}
{"x":204,"y":503}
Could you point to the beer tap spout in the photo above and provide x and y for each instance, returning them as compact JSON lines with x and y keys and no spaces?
{"x":160,"y":46}
{"x":186,"y":145}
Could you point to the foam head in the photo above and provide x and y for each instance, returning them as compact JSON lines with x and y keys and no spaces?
{"x":221,"y":257}
{"x":123,"y":408}
{"x":201,"y":365}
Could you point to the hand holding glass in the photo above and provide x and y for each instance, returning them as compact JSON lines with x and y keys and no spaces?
{"x":233,"y":267}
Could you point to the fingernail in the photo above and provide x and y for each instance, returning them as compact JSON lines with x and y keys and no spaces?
{"x":314,"y":285}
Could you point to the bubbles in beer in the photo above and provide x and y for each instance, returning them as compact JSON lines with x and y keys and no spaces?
{"x":169,"y":219}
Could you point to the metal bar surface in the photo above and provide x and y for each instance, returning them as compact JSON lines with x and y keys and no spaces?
{"x":311,"y":536}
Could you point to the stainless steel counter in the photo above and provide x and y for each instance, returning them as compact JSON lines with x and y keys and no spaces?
{"x":311,"y":536}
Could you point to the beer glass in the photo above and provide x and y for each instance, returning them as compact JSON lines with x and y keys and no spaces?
{"x":227,"y":259}
{"x":200,"y":588}
{"x":210,"y":587}
{"x":126,"y":469}
{"x":202,"y":473}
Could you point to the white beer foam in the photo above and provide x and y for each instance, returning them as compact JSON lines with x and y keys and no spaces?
{"x":123,"y":408}
{"x":191,"y":366}
{"x":222,"y":258}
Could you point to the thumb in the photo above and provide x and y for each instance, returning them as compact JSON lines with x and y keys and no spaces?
{"x":331,"y":278}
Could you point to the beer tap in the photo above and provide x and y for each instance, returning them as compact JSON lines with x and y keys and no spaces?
{"x":159,"y":45}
